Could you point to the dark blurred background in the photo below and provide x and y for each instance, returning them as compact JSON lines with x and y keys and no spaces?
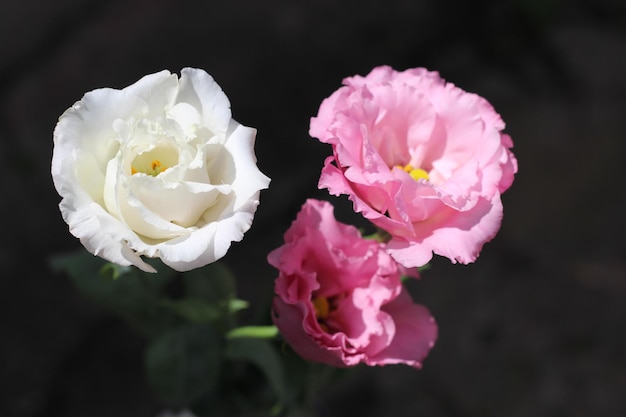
{"x":535,"y":327}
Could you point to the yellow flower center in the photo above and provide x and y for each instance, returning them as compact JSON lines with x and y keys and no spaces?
{"x":155,"y":168}
{"x":154,"y":162}
{"x":322,"y":307}
{"x":415,"y":173}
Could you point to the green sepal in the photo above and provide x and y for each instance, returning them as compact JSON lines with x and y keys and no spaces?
{"x":424,"y":267}
{"x":379,"y":235}
{"x":236,"y":305}
{"x":113,"y":271}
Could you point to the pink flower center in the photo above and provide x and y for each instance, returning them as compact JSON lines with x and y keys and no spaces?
{"x":323,"y":307}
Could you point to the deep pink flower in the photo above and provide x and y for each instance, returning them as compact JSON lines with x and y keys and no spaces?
{"x":339,"y":299}
{"x":420,"y":158}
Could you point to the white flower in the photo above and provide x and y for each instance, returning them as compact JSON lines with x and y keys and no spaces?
{"x":158,"y":169}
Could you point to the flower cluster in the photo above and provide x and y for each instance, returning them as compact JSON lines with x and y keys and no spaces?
{"x":426,"y":163}
{"x":160,"y":169}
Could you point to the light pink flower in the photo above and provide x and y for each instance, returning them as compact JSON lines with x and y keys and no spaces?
{"x":339,"y":299}
{"x":420,"y":158}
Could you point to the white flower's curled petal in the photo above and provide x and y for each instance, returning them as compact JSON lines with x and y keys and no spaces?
{"x":249,"y":180}
{"x":187,"y":118}
{"x":156,"y":90}
{"x":157,"y":169}
{"x":87,"y":224}
{"x":201,"y":91}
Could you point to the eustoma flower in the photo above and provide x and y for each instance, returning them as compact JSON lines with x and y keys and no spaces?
{"x":339,"y":298}
{"x":159,"y":169}
{"x":420,"y":158}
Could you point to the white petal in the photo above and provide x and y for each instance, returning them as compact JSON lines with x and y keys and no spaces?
{"x":146,"y":222}
{"x":201,"y":91}
{"x":187,"y":118}
{"x":88,"y":125}
{"x":208,"y":243}
{"x":101,"y":234}
{"x":181,"y":203}
{"x":157,"y":90}
{"x":249,"y":179}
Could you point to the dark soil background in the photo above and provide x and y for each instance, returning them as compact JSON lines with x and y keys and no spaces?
{"x":535,"y":327}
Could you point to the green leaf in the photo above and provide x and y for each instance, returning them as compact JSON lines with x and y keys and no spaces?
{"x":263,"y":355}
{"x":183,"y":365}
{"x":195,"y":310}
{"x":77,"y":263}
{"x":214,"y":283}
{"x":257,"y":332}
{"x":128,"y":292}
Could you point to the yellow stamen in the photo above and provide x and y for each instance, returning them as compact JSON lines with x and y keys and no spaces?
{"x":415,"y":173}
{"x":321,"y":306}
{"x":155,"y":168}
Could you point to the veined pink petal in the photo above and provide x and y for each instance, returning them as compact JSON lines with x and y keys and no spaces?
{"x":456,"y":235}
{"x":415,"y":333}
